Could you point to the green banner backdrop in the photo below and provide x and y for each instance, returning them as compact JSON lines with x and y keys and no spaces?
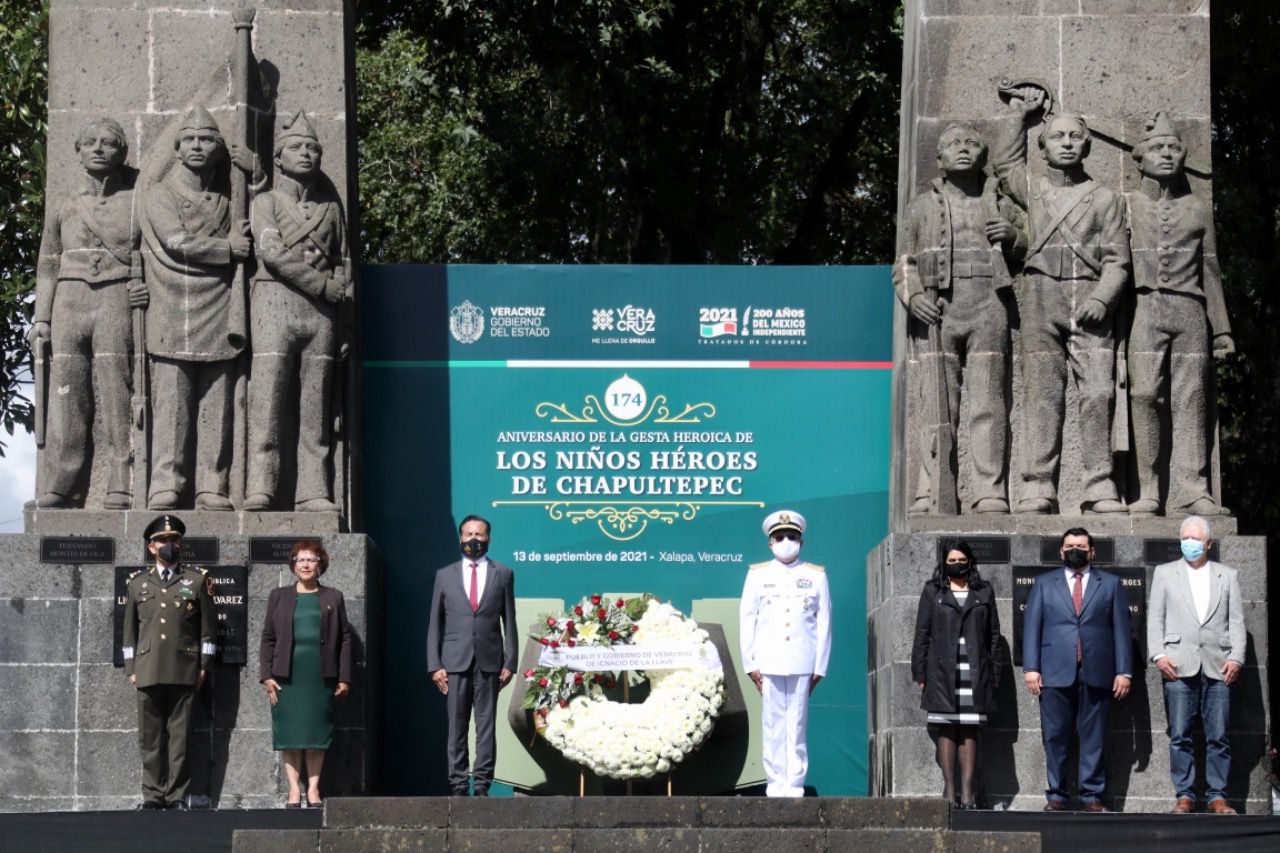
{"x":625,"y":429}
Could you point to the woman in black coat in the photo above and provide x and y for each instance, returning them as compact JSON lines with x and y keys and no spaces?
{"x":954,"y":661}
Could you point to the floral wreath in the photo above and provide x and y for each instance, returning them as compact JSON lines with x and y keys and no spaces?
{"x":625,"y":741}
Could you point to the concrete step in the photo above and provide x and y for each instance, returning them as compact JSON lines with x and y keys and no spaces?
{"x":648,"y":824}
{"x":543,"y":839}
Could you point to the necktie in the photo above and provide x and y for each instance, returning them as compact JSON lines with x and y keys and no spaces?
{"x":1077,"y":599}
{"x":475,"y":589}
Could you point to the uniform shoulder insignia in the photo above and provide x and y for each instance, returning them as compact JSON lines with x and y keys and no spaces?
{"x":202,"y":570}
{"x":133,"y":574}
{"x":760,"y":565}
{"x":817,"y":568}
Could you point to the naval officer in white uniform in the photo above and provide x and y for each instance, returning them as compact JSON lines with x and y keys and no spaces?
{"x":785,"y":624}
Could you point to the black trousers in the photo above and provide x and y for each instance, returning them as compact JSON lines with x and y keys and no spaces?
{"x":472,"y":690}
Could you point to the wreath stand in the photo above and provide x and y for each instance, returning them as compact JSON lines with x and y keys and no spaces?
{"x":582,"y":770}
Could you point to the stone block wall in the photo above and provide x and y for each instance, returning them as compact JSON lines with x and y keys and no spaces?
{"x":1011,"y":757}
{"x":68,"y":718}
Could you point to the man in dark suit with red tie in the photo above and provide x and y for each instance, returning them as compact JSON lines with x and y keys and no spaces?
{"x":1077,"y":653}
{"x":471,"y":650}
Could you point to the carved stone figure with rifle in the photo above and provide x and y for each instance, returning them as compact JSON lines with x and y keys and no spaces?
{"x":87,"y":280}
{"x":952,"y":274}
{"x":192,"y":244}
{"x":1179,"y":311}
{"x":1076,"y":269}
{"x":303,"y":277}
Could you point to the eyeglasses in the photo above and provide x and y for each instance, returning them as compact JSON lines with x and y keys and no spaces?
{"x":306,"y":559}
{"x":792,"y":535}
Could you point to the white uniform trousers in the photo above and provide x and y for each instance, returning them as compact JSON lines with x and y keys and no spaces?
{"x":784,"y":718}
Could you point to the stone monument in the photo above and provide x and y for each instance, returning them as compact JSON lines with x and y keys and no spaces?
{"x":1105,"y":382}
{"x":194,"y":352}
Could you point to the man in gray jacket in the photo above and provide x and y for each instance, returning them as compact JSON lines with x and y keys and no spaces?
{"x":1196,"y":638}
{"x":471,"y":650}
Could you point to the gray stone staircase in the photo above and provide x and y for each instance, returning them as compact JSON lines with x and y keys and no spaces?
{"x":649,"y":824}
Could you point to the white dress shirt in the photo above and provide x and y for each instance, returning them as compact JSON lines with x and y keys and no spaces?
{"x":482,"y":574}
{"x":1201,"y":588}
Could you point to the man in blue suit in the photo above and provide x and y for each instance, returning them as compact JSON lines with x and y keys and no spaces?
{"x":1077,"y":653}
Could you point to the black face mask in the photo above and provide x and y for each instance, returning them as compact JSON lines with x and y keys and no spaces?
{"x":475,"y":548}
{"x":169,"y":552}
{"x":1076,"y":558}
{"x":956,"y":570}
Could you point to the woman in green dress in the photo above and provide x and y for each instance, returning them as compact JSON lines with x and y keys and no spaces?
{"x":305,"y":663}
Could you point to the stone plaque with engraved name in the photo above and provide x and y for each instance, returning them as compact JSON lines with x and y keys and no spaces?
{"x":987,"y":550}
{"x":270,"y":549}
{"x":1157,"y":551}
{"x":73,"y":550}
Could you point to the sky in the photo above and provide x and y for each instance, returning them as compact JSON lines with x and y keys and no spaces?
{"x":17,"y":478}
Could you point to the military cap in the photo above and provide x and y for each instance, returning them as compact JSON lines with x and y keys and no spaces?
{"x":164,"y":525}
{"x":198,"y":118}
{"x":1159,"y":125}
{"x":783,"y":519}
{"x":295,"y":126}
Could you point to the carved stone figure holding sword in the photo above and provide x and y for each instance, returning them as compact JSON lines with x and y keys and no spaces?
{"x":952,"y":273}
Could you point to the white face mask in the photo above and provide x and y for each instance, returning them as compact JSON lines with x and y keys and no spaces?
{"x":785,"y":550}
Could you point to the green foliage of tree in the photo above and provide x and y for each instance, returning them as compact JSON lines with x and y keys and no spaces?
{"x":23,"y":80}
{"x":628,"y":131}
{"x":1247,"y":209}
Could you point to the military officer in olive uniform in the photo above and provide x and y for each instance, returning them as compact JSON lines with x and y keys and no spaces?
{"x":170,"y":630}
{"x":785,"y":625}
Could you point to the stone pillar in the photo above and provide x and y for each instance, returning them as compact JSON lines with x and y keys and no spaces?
{"x":1117,"y":63}
{"x":1011,"y":758}
{"x":68,"y":718}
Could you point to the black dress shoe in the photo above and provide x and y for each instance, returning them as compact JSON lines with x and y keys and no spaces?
{"x":315,"y":804}
{"x":968,"y":807}
{"x":150,"y":807}
{"x":178,"y":806}
{"x":480,"y":792}
{"x":297,"y":805}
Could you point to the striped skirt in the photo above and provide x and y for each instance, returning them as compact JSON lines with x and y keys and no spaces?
{"x":964,"y":715}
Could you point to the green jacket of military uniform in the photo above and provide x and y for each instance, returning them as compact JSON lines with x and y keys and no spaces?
{"x":170,"y":630}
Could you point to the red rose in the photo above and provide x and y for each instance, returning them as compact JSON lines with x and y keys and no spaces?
{"x":619,"y":603}
{"x":612,"y":684}
{"x":571,"y":642}
{"x":528,"y":673}
{"x":555,"y":644}
{"x":613,"y":635}
{"x":543,"y":712}
{"x":577,"y":678}
{"x":564,"y":703}
{"x":600,"y":613}
{"x":551,"y":621}
{"x":568,"y":626}
{"x":597,"y":678}
{"x":542,"y":682}
{"x":543,"y":640}
{"x":577,"y":608}
{"x":595,"y":599}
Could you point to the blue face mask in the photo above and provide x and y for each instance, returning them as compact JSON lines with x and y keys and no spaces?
{"x":1192,"y":549}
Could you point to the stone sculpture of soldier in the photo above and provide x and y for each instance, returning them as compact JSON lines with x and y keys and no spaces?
{"x":303,"y":275}
{"x":191,"y":246}
{"x":88,"y":278}
{"x":1179,"y":311}
{"x":958,"y":241}
{"x":1076,"y":270}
